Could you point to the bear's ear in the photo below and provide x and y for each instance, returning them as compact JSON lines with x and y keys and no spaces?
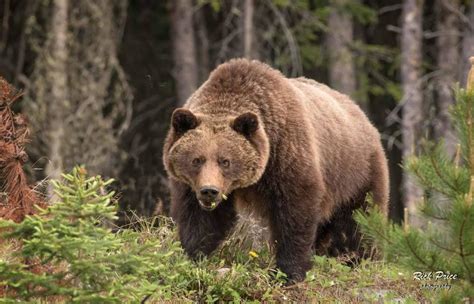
{"x":183,"y":120}
{"x":245,"y":124}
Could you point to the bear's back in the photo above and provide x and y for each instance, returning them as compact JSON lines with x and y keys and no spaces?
{"x":329,"y":108}
{"x":343,"y":136}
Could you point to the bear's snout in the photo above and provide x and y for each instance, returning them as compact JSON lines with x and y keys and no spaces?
{"x":209,"y":192}
{"x":209,"y":197}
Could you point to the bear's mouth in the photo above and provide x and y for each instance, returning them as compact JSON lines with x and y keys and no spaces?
{"x":209,"y":206}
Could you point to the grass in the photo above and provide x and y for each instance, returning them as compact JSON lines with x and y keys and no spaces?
{"x":239,"y":272}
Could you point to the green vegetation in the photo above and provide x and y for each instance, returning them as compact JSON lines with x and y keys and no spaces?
{"x":446,"y":241}
{"x":66,"y":253}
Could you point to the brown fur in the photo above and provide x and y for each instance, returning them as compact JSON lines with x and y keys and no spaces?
{"x":301,"y":155}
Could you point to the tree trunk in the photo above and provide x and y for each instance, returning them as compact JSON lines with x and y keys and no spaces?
{"x":411,"y":47}
{"x":467,"y":45}
{"x":184,"y":50}
{"x":448,"y":59}
{"x":78,"y":97}
{"x":248,"y":29}
{"x":203,"y":46}
{"x":59,"y":91}
{"x":341,"y":63}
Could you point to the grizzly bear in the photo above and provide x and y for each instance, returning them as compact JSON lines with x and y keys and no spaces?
{"x":296,"y":152}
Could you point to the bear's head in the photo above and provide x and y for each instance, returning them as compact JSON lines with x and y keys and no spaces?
{"x":216,"y":154}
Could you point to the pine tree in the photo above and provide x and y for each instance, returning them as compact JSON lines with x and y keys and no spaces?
{"x":447,"y":242}
{"x":66,"y":253}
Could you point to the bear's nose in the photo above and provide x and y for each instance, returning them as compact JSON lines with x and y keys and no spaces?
{"x":209,"y":192}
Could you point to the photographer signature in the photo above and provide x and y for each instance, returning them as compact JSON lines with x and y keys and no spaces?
{"x":440,"y":278}
{"x":437,"y":276}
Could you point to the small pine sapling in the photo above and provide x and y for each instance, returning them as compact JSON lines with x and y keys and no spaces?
{"x":446,"y":244}
{"x":82,"y":260}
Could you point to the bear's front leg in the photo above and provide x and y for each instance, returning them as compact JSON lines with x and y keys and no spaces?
{"x":200,"y":231}
{"x":294,"y":222}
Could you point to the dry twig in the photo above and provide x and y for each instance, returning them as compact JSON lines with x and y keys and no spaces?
{"x":18,"y":198}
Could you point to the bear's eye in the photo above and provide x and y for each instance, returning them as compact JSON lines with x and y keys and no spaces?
{"x":198,"y":161}
{"x":225,"y":163}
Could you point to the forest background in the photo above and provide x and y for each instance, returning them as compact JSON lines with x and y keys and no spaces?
{"x":101,"y":78}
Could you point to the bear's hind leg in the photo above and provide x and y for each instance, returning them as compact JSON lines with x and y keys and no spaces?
{"x":200,"y":231}
{"x":380,"y":187}
{"x":340,"y":236}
